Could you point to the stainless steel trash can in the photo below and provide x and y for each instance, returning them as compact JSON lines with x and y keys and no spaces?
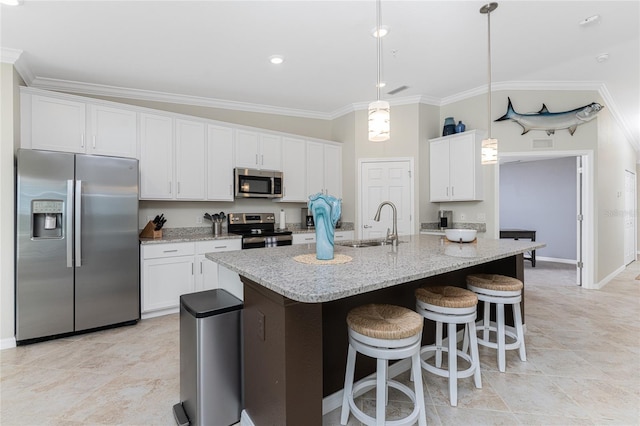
{"x":210,"y":359}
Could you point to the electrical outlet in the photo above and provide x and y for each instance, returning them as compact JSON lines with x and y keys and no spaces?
{"x":198,"y":220}
{"x":462,"y":217}
{"x":260,"y":330}
{"x":481,"y":217}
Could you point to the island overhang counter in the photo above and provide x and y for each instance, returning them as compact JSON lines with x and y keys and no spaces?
{"x":294,"y":329}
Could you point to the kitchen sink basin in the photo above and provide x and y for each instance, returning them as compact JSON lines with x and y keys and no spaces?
{"x":361,"y":244}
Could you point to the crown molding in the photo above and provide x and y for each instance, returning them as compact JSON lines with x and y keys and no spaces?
{"x":16,"y":57}
{"x":149,"y":95}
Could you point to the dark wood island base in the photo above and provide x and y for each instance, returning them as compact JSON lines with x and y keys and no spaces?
{"x":295,"y":353}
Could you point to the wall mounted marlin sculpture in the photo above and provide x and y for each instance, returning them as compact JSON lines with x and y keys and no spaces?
{"x":552,"y":121}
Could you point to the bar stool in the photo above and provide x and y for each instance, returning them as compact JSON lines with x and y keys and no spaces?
{"x":452,"y":306}
{"x":384,"y":332}
{"x":499,"y":290}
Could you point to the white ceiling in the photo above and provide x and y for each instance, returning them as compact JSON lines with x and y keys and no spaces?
{"x":216,"y":52}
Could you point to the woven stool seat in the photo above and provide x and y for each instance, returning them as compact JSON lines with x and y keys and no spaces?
{"x":494,"y":282}
{"x":447,"y":296}
{"x":499,"y":290}
{"x":388,"y":322}
{"x":383,"y":332}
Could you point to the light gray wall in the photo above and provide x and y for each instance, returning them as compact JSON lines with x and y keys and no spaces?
{"x":541,"y":196}
{"x":9,"y":141}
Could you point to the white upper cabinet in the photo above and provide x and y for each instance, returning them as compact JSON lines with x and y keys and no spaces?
{"x":62,"y":123}
{"x":156,"y":157}
{"x":255,"y":150}
{"x":54,"y":124}
{"x":454,"y":167}
{"x":190,"y":160}
{"x":294,"y":170}
{"x":324,"y":169}
{"x":113,"y":131}
{"x":219,"y":163}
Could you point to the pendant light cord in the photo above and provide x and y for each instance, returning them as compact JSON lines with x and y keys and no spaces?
{"x":378,"y":44}
{"x":489,"y":69}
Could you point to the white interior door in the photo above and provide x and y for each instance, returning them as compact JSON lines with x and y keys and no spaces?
{"x":629,"y":218}
{"x":386,"y":180}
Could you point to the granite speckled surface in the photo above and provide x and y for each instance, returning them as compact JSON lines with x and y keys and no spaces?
{"x":182,"y":235}
{"x":205,"y":233}
{"x":372,"y":268}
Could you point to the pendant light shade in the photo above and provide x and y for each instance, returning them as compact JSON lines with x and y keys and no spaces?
{"x":379,"y":121}
{"x":379,"y":112}
{"x":489,"y":145}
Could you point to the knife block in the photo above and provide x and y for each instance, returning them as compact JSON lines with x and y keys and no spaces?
{"x":150,"y":232}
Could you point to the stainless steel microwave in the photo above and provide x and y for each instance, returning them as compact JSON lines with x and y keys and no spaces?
{"x":251,"y":183}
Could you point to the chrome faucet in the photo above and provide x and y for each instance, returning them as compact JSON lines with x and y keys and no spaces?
{"x":393,"y":235}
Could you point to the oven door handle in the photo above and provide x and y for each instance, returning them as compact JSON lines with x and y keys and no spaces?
{"x":253,"y":240}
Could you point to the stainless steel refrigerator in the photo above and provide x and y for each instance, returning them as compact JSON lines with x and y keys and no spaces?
{"x":77,"y":261}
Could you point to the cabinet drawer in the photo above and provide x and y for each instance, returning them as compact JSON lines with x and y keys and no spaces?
{"x":344,"y":235}
{"x":152,"y":251}
{"x":203,"y":247}
{"x":304,"y":238}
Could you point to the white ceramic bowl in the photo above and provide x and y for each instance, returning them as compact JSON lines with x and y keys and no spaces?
{"x":460,"y":235}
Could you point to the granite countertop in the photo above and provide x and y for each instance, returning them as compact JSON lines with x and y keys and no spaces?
{"x":205,"y":233}
{"x":372,"y":268}
{"x":185,"y":235}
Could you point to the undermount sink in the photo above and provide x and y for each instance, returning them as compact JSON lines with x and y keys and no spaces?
{"x":361,"y":244}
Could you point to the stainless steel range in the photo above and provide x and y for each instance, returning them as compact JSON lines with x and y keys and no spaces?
{"x":258,"y":230}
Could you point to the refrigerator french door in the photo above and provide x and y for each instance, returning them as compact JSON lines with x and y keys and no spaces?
{"x":77,"y":262}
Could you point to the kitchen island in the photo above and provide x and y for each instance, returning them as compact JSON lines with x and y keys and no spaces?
{"x":295,"y":334}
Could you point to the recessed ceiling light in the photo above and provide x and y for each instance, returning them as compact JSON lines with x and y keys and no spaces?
{"x":602,"y":58}
{"x":590,"y":20}
{"x":276,"y":59}
{"x":384,"y":30}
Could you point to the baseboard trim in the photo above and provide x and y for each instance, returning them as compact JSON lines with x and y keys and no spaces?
{"x":7,"y":343}
{"x":609,"y":277}
{"x":557,"y":260}
{"x":160,"y":313}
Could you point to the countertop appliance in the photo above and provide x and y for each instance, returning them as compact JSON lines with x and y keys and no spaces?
{"x":306,"y":218}
{"x":445,"y":219}
{"x":77,"y":248}
{"x":251,"y":183}
{"x":258,"y":230}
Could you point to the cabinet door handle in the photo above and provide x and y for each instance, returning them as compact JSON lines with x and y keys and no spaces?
{"x":170,"y":251}
{"x":220,"y":247}
{"x":192,"y":269}
{"x":262,"y":159}
{"x":309,"y":239}
{"x":368,"y":226}
{"x":200,"y":268}
{"x":81,"y":140}
{"x":178,"y":187}
{"x":169,"y":187}
{"x":94,"y":141}
{"x":256,"y":158}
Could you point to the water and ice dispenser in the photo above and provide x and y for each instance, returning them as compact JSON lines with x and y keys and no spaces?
{"x":46,"y":218}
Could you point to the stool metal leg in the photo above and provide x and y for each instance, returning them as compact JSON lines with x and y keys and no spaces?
{"x":348,"y":384}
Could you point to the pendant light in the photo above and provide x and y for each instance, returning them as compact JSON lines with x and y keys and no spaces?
{"x":379,"y":121}
{"x":489,"y":145}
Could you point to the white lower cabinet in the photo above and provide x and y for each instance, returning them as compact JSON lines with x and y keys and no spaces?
{"x":310,"y":237}
{"x":173,"y":269}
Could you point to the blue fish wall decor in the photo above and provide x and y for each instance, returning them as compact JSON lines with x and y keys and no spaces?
{"x":552,"y":121}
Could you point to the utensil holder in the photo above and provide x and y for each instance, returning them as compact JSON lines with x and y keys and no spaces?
{"x":217,"y":228}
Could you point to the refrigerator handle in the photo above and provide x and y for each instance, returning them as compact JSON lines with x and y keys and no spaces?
{"x":69,"y":225}
{"x":78,"y":222}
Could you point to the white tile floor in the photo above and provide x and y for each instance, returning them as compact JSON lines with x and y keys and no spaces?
{"x":583,"y":367}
